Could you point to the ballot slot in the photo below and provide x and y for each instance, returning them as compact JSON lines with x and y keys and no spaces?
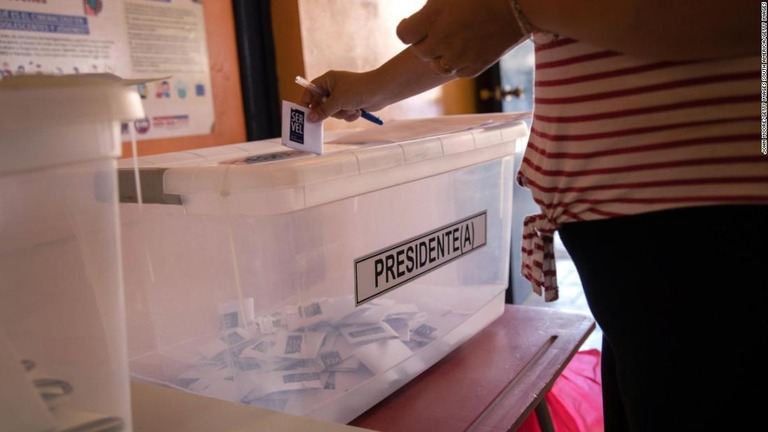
{"x":250,"y":295}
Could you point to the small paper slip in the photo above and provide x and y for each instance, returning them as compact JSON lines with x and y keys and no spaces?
{"x":298,"y":132}
{"x":230,"y":313}
{"x":302,"y":345}
{"x":381,"y":356}
{"x":411,"y":129}
{"x":360,"y":334}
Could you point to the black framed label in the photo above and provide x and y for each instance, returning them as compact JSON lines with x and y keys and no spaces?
{"x":400,"y":263}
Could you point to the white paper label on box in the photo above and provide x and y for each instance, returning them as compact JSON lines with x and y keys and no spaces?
{"x":395,"y":265}
{"x":298,"y":132}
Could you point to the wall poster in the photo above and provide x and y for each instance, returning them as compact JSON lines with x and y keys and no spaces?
{"x":129,"y":38}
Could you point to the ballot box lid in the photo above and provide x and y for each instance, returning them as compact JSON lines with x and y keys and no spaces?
{"x":265,"y":177}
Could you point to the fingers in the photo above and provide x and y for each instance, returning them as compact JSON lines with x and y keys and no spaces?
{"x":460,"y":38}
{"x":413,"y":29}
{"x":426,"y":41}
{"x":328,"y":107}
{"x":410,"y":32}
{"x":347,"y":115}
{"x":416,"y":30}
{"x":318,"y":109}
{"x":314,"y":102}
{"x":320,"y":113}
{"x":317,"y":114}
{"x":442,"y":67}
{"x":308,"y":99}
{"x":344,"y":100}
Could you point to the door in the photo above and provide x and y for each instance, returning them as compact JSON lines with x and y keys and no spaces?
{"x":258,"y":69}
{"x":508,"y":87}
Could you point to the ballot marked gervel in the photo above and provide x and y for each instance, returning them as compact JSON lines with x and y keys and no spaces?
{"x":298,"y":132}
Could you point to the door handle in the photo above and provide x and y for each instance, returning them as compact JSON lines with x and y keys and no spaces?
{"x":499,"y":94}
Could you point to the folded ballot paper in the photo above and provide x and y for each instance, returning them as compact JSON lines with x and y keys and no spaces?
{"x":298,"y":132}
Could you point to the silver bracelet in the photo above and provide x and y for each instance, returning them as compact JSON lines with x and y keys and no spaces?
{"x":525,"y":26}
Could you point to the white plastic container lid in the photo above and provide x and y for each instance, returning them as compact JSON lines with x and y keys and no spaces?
{"x":293,"y":180}
{"x":47,"y":120}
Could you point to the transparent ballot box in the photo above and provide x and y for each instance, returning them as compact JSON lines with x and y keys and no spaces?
{"x":63,"y":358}
{"x":314,"y":285}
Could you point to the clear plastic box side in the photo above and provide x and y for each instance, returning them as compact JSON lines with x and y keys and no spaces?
{"x":62,"y":315}
{"x":226,"y":292}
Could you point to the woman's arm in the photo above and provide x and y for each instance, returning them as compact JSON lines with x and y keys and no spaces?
{"x":450,"y":38}
{"x":401,"y":77}
{"x":472,"y":34}
{"x":663,"y":29}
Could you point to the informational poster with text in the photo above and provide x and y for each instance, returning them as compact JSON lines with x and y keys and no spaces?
{"x":159,"y":40}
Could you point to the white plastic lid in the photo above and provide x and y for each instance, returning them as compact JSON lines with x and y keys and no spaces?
{"x":276,"y":179}
{"x":42,"y":101}
{"x":46,"y":119}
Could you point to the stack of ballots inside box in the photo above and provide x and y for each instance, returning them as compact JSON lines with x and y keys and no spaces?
{"x":302,"y":355}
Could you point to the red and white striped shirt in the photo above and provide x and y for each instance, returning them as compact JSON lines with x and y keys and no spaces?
{"x":614,"y":135}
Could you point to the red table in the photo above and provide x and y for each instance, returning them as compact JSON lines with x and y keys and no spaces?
{"x":490,"y":383}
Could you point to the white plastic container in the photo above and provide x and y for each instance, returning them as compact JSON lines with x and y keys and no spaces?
{"x":315,"y":285}
{"x":63,"y":361}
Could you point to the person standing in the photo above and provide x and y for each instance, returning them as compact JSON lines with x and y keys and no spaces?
{"x":644,"y":154}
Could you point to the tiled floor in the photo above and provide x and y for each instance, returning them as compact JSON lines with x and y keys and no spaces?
{"x":571,"y":293}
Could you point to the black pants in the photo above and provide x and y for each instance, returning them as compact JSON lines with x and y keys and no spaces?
{"x":680,"y":296}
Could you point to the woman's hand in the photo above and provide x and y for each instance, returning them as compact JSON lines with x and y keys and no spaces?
{"x":402,"y":76}
{"x":461,"y":37}
{"x":348,"y":94}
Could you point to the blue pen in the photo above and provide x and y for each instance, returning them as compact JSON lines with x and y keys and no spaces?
{"x":317,"y":91}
